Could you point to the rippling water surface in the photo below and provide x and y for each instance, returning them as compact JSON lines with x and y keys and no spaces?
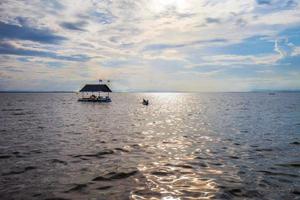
{"x":181,"y":146}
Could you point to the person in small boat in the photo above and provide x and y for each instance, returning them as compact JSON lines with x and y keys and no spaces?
{"x":145,"y":102}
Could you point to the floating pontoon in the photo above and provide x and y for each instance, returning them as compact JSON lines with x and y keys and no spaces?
{"x":92,"y":93}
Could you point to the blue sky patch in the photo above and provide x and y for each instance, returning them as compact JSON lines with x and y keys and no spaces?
{"x":250,"y":46}
{"x":9,"y":31}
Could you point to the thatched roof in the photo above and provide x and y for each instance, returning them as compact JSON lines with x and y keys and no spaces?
{"x":95,"y":88}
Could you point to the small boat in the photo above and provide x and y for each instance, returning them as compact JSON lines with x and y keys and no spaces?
{"x":145,"y":102}
{"x":89,"y":90}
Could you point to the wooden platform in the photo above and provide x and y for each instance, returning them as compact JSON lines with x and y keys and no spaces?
{"x":100,"y":100}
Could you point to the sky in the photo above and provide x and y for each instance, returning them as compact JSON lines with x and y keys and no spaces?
{"x":150,"y":45}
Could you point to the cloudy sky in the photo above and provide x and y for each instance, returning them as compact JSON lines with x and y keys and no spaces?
{"x":150,"y":45}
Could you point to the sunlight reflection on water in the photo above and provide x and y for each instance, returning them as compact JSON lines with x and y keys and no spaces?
{"x":170,"y":176}
{"x":181,"y":146}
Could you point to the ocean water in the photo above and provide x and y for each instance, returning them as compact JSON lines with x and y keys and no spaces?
{"x":181,"y":146}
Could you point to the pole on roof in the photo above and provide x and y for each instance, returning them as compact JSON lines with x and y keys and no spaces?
{"x":108,"y":83}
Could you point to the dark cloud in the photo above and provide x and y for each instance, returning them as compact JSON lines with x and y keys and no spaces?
{"x":9,"y":31}
{"x":11,"y":69}
{"x":210,"y":20}
{"x":22,"y":20}
{"x":53,"y":4}
{"x":103,"y":17}
{"x":280,"y":4}
{"x":172,"y":46}
{"x":291,"y":3}
{"x":8,"y":49}
{"x":77,"y":26}
{"x":241,"y":22}
{"x":263,"y":2}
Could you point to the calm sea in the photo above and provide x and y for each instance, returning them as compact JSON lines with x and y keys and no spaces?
{"x":181,"y":146}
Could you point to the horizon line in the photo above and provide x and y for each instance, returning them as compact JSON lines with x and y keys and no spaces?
{"x":118,"y":91}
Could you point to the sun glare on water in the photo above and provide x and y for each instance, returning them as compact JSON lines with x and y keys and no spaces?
{"x":170,"y":198}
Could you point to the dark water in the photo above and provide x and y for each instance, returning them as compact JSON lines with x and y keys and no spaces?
{"x":182,"y":146}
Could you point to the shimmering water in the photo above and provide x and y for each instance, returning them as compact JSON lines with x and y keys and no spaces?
{"x":182,"y":146}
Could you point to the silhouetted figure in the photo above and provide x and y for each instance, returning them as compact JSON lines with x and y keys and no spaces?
{"x":145,"y":102}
